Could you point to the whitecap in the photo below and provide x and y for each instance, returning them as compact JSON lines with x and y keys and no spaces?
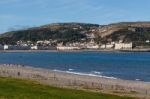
{"x":96,"y":72}
{"x":70,"y":69}
{"x":86,"y":74}
{"x":137,"y":79}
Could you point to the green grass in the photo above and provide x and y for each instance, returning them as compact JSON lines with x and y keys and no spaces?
{"x":11,"y":88}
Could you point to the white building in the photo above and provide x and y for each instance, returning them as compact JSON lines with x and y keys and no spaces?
{"x":68,"y":48}
{"x":92,"y":45}
{"x":34,"y":47}
{"x":6,"y":47}
{"x":43,"y":42}
{"x":103,"y":46}
{"x":109,"y":46}
{"x":119,"y":46}
{"x":147,"y":41}
{"x":91,"y":35}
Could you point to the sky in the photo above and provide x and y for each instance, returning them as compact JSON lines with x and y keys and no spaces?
{"x":18,"y":14}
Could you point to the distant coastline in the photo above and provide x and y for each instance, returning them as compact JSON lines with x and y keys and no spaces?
{"x":124,"y":36}
{"x":84,"y":50}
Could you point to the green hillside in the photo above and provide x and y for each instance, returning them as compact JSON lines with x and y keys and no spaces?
{"x":138,"y":38}
{"x":62,"y":32}
{"x":73,"y":32}
{"x":22,"y":89}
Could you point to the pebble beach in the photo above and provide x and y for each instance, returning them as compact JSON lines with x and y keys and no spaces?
{"x":75,"y":81}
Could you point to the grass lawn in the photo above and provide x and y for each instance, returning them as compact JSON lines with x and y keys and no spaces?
{"x":11,"y":88}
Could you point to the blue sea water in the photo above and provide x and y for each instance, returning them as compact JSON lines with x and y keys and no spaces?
{"x":121,"y":65}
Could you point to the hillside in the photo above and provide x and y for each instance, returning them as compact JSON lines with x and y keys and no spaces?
{"x":62,"y":32}
{"x":23,"y":89}
{"x":136,"y":32}
{"x":111,"y":28}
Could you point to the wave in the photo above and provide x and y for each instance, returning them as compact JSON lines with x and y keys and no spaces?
{"x":97,"y":74}
{"x":137,"y":79}
{"x":70,"y":69}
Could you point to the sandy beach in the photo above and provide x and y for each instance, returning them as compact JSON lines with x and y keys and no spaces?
{"x":84,"y":82}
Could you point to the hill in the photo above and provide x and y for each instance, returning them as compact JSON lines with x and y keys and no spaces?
{"x":136,"y":32}
{"x":111,"y":28}
{"x":23,"y":89}
{"x":62,"y":32}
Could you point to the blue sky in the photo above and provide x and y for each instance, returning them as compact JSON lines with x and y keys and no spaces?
{"x":16,"y":14}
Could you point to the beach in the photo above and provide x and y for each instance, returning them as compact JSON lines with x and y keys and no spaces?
{"x":77,"y":81}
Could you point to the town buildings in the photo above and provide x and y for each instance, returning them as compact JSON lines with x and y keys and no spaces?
{"x":68,"y":48}
{"x":47,"y":45}
{"x":123,"y":46}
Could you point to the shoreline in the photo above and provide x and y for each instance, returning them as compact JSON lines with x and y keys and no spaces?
{"x":85,"y":74}
{"x":84,"y":50}
{"x":76,"y":81}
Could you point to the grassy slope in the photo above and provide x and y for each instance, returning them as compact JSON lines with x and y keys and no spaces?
{"x":22,"y":89}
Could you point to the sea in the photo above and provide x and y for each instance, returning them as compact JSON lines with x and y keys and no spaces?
{"x":113,"y":65}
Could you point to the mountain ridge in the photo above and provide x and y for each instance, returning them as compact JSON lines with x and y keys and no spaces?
{"x":74,"y":31}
